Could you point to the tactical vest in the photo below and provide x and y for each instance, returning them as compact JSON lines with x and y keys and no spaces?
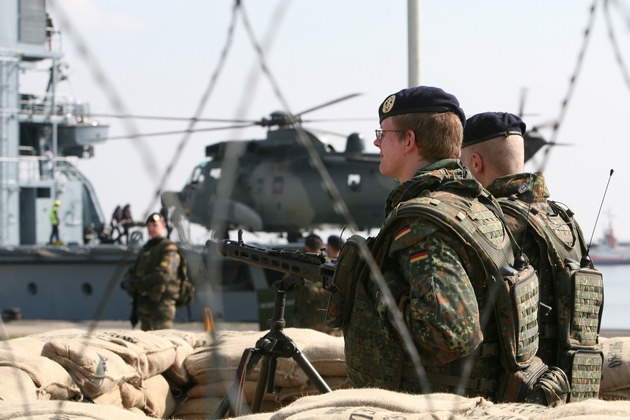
{"x":574,"y":291}
{"x":374,"y":354}
{"x":146,"y":264}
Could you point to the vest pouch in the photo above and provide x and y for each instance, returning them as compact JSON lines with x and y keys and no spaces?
{"x":579,"y":302}
{"x":516,"y":310}
{"x":517,"y":385}
{"x":585,"y":373}
{"x":347,"y":272}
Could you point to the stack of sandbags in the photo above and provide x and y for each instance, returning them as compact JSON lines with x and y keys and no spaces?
{"x":134,"y":370}
{"x":616,"y":372}
{"x":213,"y":370}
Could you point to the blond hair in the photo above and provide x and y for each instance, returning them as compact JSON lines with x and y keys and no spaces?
{"x":438,"y":134}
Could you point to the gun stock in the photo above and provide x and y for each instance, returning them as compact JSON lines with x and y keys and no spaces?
{"x":308,"y":265}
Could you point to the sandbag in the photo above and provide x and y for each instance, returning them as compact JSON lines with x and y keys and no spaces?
{"x":177,"y":374}
{"x":16,"y":385}
{"x":159,"y":399}
{"x":194,"y":339}
{"x":50,"y":378}
{"x":204,"y":408}
{"x":132,"y":396}
{"x":66,"y":410}
{"x":96,"y":371}
{"x":219,"y":361}
{"x":616,"y":371}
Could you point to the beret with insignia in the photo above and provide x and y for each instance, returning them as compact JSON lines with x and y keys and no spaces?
{"x":153,"y":217}
{"x":488,"y":125}
{"x":420,"y":99}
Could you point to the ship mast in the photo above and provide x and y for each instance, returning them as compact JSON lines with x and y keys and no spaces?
{"x":413,"y":42}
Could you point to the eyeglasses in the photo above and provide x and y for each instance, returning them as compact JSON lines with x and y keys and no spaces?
{"x":381,"y":133}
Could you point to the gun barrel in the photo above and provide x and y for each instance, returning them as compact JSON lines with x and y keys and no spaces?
{"x":307,"y":265}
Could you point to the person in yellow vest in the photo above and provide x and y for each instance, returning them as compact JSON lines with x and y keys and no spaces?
{"x":54,"y":221}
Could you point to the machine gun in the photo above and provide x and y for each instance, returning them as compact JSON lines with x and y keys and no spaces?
{"x":275,"y":343}
{"x":308,"y":265}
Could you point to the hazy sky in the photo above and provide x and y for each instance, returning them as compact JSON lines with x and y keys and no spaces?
{"x":158,"y":58}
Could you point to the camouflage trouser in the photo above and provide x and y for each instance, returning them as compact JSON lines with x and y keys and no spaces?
{"x":156,"y":316}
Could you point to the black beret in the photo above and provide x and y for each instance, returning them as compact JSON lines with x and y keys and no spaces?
{"x":154,"y":217}
{"x":488,"y":125}
{"x":420,"y":99}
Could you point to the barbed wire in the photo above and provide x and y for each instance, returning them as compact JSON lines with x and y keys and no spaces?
{"x":572,"y":81}
{"x":615,"y":45}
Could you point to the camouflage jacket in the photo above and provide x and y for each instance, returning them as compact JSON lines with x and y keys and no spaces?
{"x":154,"y":275}
{"x":440,"y":292}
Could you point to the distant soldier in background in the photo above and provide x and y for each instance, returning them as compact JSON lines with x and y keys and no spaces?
{"x":311,"y":299}
{"x":493,"y":150}
{"x":127,"y":220}
{"x":153,"y":280}
{"x":54,"y":221}
{"x":333,"y":247}
{"x":117,"y":217}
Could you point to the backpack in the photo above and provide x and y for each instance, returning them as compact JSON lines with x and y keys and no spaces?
{"x":579,"y":294}
{"x":187,"y":286}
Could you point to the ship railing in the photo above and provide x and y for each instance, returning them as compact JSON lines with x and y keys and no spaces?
{"x":40,"y":104}
{"x":37,"y":168}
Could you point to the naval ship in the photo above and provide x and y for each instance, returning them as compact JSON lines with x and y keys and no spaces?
{"x":42,"y":136}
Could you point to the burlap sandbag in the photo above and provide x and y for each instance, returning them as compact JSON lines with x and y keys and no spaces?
{"x":379,"y":404}
{"x":219,"y":362}
{"x":154,"y":354}
{"x":66,"y":410}
{"x":112,"y":397}
{"x":204,"y":408}
{"x":26,"y":346}
{"x":95,"y":370}
{"x":132,"y":396}
{"x":177,"y":374}
{"x":280,"y":395}
{"x":194,"y":339}
{"x":616,"y":371}
{"x":159,"y":399}
{"x":53,"y":382}
{"x":16,"y":385}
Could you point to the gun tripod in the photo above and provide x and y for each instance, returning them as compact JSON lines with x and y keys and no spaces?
{"x":272,"y":345}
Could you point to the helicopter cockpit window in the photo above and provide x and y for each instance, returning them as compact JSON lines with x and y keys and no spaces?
{"x":215,"y":173}
{"x":197,"y":175}
{"x":354,"y":181}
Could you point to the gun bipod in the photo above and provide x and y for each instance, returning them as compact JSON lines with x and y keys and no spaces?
{"x":272,"y":345}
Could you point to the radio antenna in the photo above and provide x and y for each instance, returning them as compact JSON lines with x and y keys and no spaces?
{"x":588,"y":249}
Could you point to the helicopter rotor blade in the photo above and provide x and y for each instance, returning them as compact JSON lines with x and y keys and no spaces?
{"x":154,"y":117}
{"x":334,"y":101}
{"x":168,"y":133}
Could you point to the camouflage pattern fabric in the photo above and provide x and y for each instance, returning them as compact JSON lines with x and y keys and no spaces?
{"x":154,"y":282}
{"x":440,"y":291}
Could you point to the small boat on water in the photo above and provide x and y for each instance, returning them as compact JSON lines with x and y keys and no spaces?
{"x":610,"y":251}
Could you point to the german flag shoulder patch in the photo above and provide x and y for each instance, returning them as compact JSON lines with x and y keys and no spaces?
{"x":418,"y":256}
{"x":402,"y":232}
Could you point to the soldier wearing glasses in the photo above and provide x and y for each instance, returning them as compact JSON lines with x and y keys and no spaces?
{"x":439,"y":290}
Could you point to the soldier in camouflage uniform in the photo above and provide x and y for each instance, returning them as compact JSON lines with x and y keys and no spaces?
{"x":438,"y":285}
{"x":493,"y":150}
{"x":311,"y":299}
{"x":152,"y":282}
